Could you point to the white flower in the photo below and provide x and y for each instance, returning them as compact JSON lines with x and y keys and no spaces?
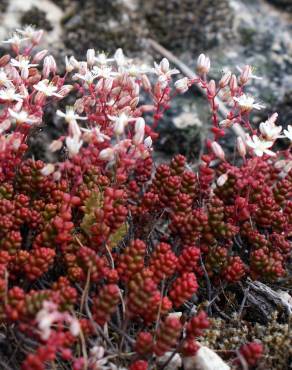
{"x":247,"y":103}
{"x":120,"y":122}
{"x":163,"y":71}
{"x":28,"y":31}
{"x":177,"y":315}
{"x":270,"y":131}
{"x":10,"y":94}
{"x":97,"y":359}
{"x":134,"y":70}
{"x":88,"y":77}
{"x":97,"y":352}
{"x":174,"y":364}
{"x":46,"y":317}
{"x":226,"y":123}
{"x":139,"y":131}
{"x":4,"y":80}
{"x":241,"y":146}
{"x":31,"y":33}
{"x":103,"y":60}
{"x":4,"y":126}
{"x":68,"y":66}
{"x":23,"y":64}
{"x":74,"y":129}
{"x":39,"y":56}
{"x":94,"y":132}
{"x":49,"y":66}
{"x":55,"y":145}
{"x":288,"y":132}
{"x":203,"y":64}
{"x":285,"y":166}
{"x":47,"y":169}
{"x":22,"y":117}
{"x":218,"y":151}
{"x":148,"y":142}
{"x":103,"y":72}
{"x":222,"y":179}
{"x":120,"y":58}
{"x":107,"y":154}
{"x":15,"y":139}
{"x":49,"y":314}
{"x":246,"y":74}
{"x":182,"y":85}
{"x":71,"y":64}
{"x":205,"y":359}
{"x":47,"y":88}
{"x":15,"y":40}
{"x":45,"y":325}
{"x":224,"y":81}
{"x":260,"y":147}
{"x":73,"y":145}
{"x":90,"y":57}
{"x":64,"y":90}
{"x":74,"y":326}
{"x":70,"y":115}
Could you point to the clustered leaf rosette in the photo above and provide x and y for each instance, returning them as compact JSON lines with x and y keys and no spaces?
{"x":83,"y":263}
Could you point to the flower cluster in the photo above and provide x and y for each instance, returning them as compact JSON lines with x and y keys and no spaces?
{"x":100,"y":250}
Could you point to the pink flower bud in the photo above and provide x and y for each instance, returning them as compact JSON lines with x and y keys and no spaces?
{"x":273,"y":118}
{"x":241,"y":147}
{"x":48,"y":169}
{"x":68,"y":66}
{"x":233,"y":83}
{"x":74,"y":327}
{"x":40,"y":98}
{"x":226,"y":123}
{"x":65,"y":90}
{"x":74,"y":129}
{"x":39,"y":56}
{"x":17,"y":107}
{"x":218,"y":151}
{"x":222,"y":179}
{"x":157,"y":90}
{"x":147,"y":108}
{"x":146,"y":83}
{"x":245,"y":75}
{"x":134,"y":102}
{"x":225,"y":79}
{"x":15,"y":76}
{"x":4,"y":60}
{"x":107,"y":154}
{"x":4,"y":126}
{"x":49,"y":66}
{"x":203,"y":64}
{"x":139,"y":131}
{"x":74,"y":62}
{"x":211,"y":89}
{"x":90,"y":57}
{"x":148,"y":142}
{"x":55,"y":145}
{"x":135,"y":90}
{"x":37,"y":36}
{"x":108,"y":83}
{"x":16,"y":143}
{"x":124,"y":101}
{"x":164,"y":65}
{"x":116,"y":91}
{"x":182,"y":85}
{"x":57,"y":175}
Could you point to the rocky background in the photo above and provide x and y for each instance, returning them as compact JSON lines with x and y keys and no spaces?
{"x":231,"y":32}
